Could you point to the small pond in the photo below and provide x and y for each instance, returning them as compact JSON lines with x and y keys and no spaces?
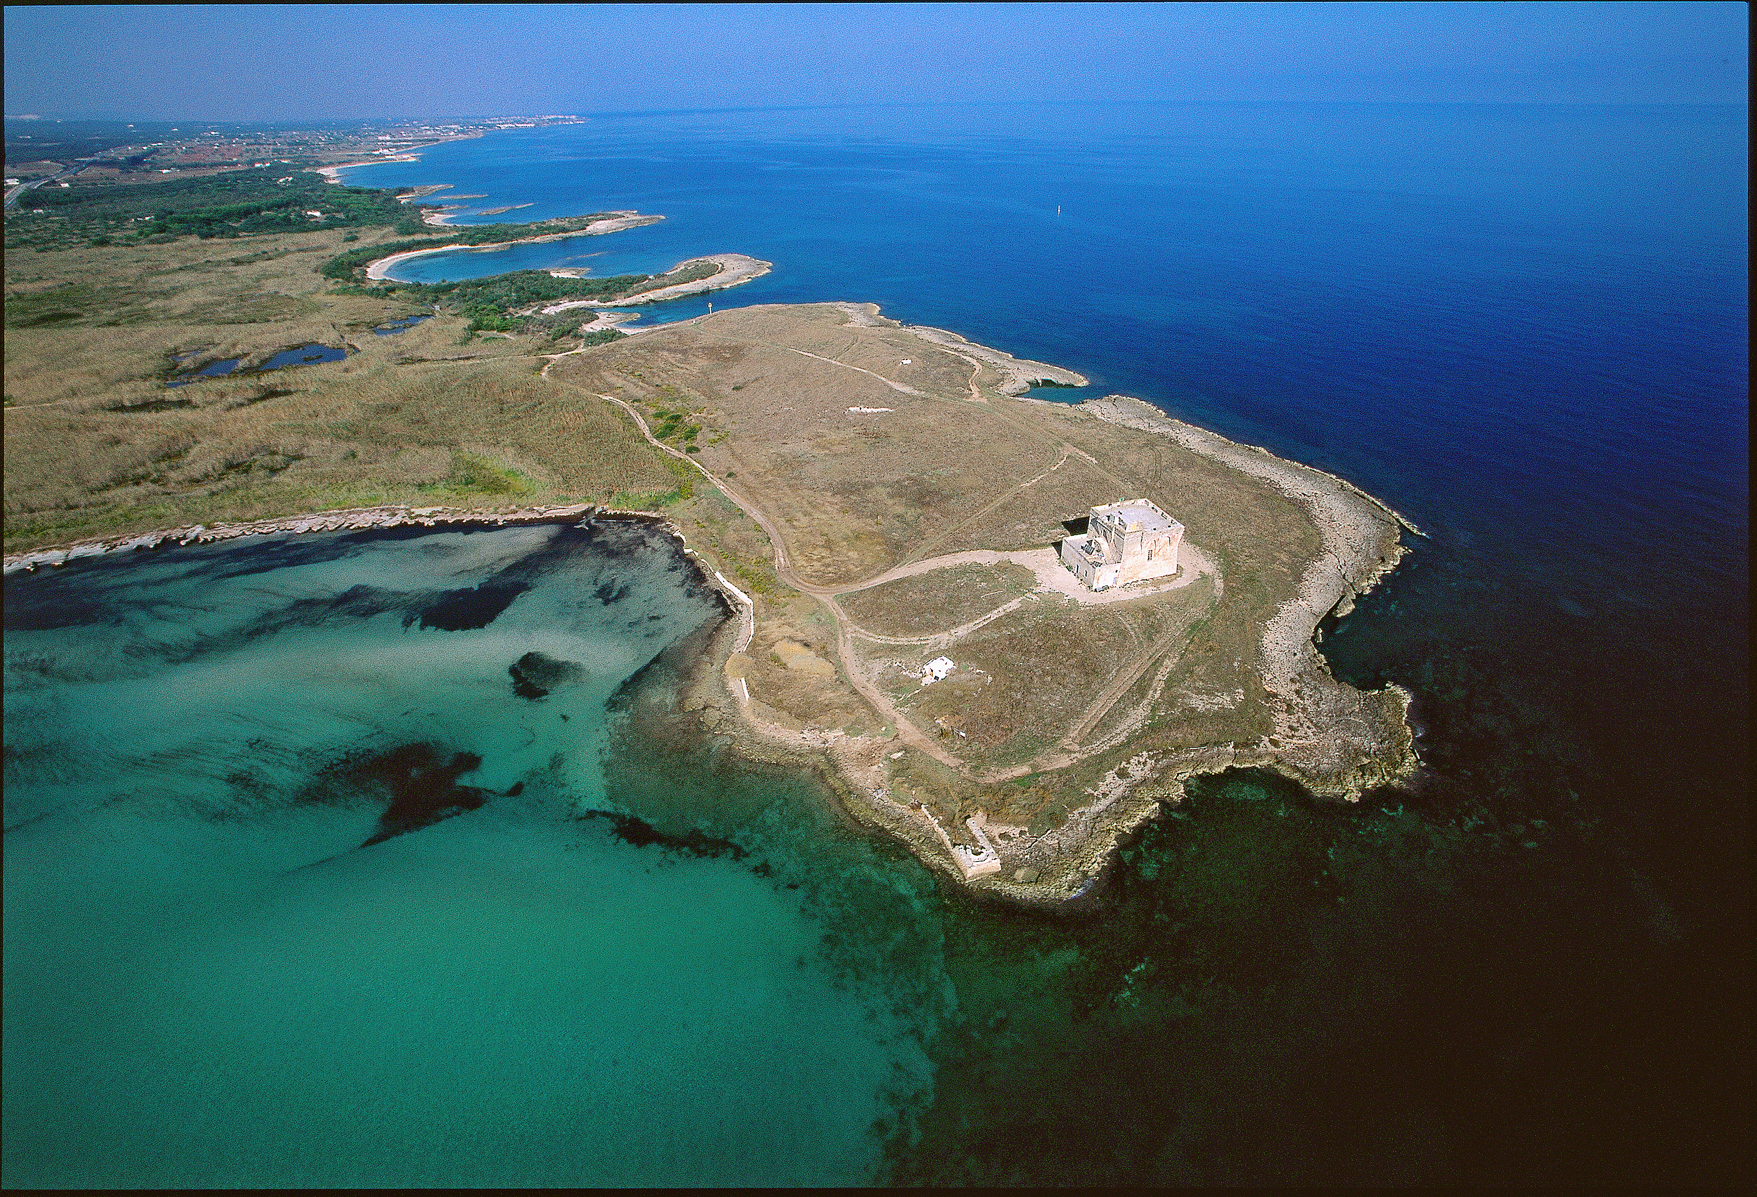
{"x":302,"y":355}
{"x":391,"y":328}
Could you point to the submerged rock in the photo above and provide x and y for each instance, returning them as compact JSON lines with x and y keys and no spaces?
{"x":423,"y":790}
{"x":468,"y":609}
{"x":535,"y":674}
{"x":642,"y":834}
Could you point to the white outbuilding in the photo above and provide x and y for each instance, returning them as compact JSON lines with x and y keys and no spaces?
{"x":936,"y":670}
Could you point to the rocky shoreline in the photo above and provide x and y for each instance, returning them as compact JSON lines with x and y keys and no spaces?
{"x":1018,"y":375}
{"x":357,"y":519}
{"x":734,"y":269}
{"x":1335,"y":741}
{"x":1360,"y":545}
{"x":1314,"y":741}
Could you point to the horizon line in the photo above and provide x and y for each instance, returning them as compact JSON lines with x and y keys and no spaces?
{"x":694,"y":111}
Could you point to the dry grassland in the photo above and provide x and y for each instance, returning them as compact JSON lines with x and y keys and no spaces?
{"x":96,"y":444}
{"x":1027,"y":679}
{"x":930,"y":603}
{"x":862,"y":492}
{"x":857,"y":492}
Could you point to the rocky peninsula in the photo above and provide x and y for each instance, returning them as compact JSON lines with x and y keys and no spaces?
{"x":880,"y":506}
{"x":906,"y":504}
{"x":727,"y":270}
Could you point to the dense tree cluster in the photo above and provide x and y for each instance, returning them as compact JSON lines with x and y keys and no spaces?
{"x":260,"y":200}
{"x":512,"y":302}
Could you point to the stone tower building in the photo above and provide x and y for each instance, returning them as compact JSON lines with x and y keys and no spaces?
{"x":1131,"y":541}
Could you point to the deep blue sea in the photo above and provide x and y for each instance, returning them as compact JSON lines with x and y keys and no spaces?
{"x":1524,"y":327}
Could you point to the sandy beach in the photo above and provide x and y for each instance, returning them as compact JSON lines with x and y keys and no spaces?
{"x":734,"y":269}
{"x":615,"y":222}
{"x":334,"y":173}
{"x":412,"y":154}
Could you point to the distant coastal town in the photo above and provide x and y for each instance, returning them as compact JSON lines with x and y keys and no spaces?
{"x":41,"y":152}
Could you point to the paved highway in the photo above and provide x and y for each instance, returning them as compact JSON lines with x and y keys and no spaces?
{"x":66,"y":172}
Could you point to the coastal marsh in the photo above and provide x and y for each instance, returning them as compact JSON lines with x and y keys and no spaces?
{"x":97,"y":445}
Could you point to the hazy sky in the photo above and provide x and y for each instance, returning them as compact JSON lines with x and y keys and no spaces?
{"x":253,"y":62}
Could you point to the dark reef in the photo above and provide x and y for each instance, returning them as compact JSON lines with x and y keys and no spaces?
{"x":465,"y":610}
{"x":535,"y":674}
{"x":423,"y":787}
{"x":642,"y":834}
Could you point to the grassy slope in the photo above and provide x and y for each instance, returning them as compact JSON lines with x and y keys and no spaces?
{"x":93,"y":449}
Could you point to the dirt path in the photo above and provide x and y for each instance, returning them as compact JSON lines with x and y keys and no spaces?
{"x":1009,"y":493}
{"x":1052,"y":579}
{"x":1051,"y":574}
{"x":1118,"y":686}
{"x":1024,"y":426}
{"x":907,"y":731}
{"x":895,"y":386}
{"x":774,"y":534}
{"x":1014,"y":372}
{"x":943,"y":639}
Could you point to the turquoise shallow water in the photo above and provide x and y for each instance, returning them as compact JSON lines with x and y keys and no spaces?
{"x":211,"y":978}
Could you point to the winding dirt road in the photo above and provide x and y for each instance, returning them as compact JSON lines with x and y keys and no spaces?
{"x":1052,"y":578}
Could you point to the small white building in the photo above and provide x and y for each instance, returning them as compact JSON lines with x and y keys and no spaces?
{"x":936,"y":670}
{"x":1131,"y":541}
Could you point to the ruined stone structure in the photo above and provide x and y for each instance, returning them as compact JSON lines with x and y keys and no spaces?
{"x":1125,"y":542}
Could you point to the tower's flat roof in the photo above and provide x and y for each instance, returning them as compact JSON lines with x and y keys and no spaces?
{"x":1139,"y":515}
